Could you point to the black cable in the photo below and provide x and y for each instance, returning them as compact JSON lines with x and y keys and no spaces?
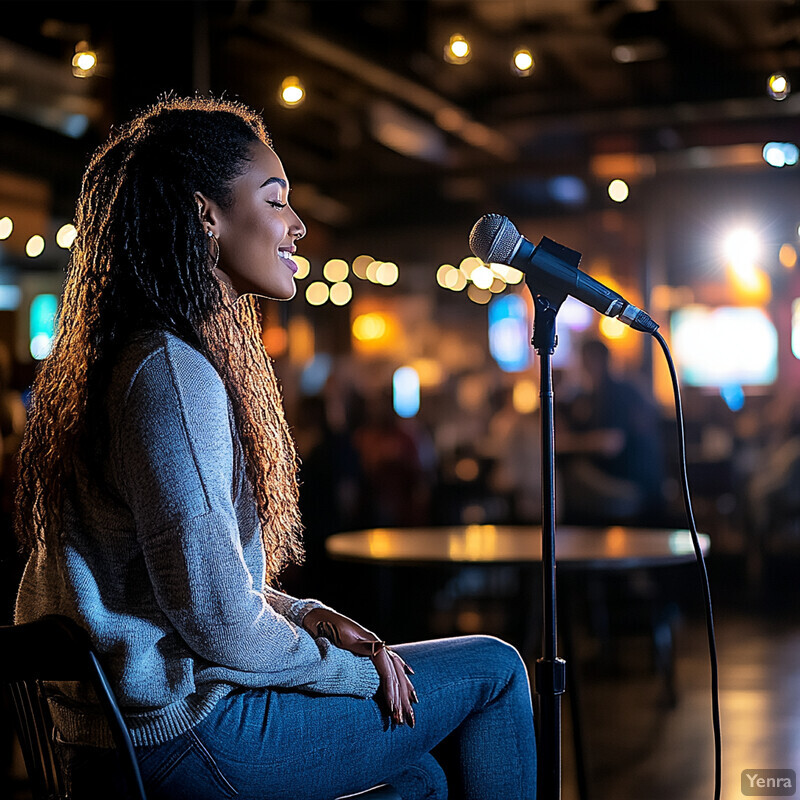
{"x":712,"y":645}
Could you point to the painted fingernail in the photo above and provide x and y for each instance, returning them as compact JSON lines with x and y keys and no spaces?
{"x":414,"y":696}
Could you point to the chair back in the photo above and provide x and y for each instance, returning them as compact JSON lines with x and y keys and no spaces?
{"x":54,"y":648}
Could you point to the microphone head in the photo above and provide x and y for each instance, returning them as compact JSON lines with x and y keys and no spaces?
{"x":494,"y":239}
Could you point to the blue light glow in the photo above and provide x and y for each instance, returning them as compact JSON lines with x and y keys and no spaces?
{"x":42,"y":324}
{"x":405,"y":392}
{"x":509,"y":333}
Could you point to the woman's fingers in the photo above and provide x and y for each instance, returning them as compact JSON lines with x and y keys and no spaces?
{"x":405,"y":689}
{"x":391,"y":688}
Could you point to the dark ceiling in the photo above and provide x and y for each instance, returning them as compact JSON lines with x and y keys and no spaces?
{"x":690,"y":73}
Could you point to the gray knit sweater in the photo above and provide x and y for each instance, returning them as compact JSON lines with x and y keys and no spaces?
{"x":164,"y":565}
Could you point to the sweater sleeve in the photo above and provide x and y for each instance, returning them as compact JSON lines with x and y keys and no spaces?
{"x":174,"y":466}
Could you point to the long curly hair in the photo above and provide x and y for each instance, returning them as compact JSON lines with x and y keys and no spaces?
{"x":141,"y":261}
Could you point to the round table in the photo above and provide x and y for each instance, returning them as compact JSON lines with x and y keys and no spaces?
{"x":614,"y":547}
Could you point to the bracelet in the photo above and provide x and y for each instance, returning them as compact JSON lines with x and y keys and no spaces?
{"x":376,"y":648}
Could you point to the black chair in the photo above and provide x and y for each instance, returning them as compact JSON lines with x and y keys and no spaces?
{"x":54,"y":648}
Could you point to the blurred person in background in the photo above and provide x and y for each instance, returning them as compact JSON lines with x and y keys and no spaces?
{"x":396,"y":488}
{"x":158,"y":502}
{"x":609,"y":447}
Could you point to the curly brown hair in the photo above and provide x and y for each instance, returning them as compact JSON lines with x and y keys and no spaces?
{"x":141,"y":262}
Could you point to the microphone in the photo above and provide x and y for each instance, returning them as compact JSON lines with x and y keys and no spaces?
{"x":551,"y":266}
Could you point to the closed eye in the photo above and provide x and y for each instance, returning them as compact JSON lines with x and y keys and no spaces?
{"x":276,"y":204}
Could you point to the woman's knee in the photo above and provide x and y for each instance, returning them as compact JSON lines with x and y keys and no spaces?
{"x":503,"y":658}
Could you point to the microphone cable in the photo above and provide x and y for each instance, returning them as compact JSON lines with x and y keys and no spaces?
{"x":712,"y":645}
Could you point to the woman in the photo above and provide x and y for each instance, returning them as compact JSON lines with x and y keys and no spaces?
{"x":159,"y":503}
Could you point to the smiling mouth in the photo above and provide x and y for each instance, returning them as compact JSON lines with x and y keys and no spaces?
{"x":286,"y":258}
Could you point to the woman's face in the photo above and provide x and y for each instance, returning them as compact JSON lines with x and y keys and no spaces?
{"x":257,"y":233}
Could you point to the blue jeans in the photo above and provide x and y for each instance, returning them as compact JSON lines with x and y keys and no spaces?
{"x":269,"y":744}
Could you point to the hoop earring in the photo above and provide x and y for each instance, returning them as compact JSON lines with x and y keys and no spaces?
{"x":214,"y":239}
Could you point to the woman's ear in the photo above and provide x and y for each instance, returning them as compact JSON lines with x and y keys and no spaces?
{"x":208,"y":213}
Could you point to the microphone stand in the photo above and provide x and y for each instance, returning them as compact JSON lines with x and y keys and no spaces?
{"x":550,"y":671}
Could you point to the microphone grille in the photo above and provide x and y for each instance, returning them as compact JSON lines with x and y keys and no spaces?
{"x":494,"y":239}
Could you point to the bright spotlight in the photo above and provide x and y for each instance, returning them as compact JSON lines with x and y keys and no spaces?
{"x":741,"y":247}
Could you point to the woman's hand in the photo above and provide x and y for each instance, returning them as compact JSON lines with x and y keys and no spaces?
{"x":342,"y":631}
{"x":396,"y":689}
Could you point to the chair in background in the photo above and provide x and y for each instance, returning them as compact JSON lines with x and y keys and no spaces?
{"x":54,"y":648}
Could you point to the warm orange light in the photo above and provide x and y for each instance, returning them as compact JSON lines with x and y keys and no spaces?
{"x":369,"y":327}
{"x":525,"y":396}
{"x":787,"y":255}
{"x":276,"y":341}
{"x":612,"y":328}
{"x":301,"y":340}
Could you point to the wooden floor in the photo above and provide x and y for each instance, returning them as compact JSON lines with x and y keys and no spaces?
{"x":637,"y":747}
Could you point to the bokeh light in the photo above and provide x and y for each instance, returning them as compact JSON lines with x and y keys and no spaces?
{"x":369,"y":327}
{"x":618,"y":190}
{"x":34,"y":246}
{"x":360,"y":264}
{"x":337,"y":269}
{"x":387,"y":273}
{"x":317,"y":293}
{"x":65,"y":236}
{"x":341,"y":294}
{"x":303,"y":267}
{"x":6,"y":227}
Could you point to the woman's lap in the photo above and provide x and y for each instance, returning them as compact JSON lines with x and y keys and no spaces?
{"x":272,"y":744}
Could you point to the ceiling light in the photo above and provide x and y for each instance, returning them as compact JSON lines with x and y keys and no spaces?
{"x":457,"y":50}
{"x":292,"y":92}
{"x":84,"y":62}
{"x":778,"y":86}
{"x":522,"y":63}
